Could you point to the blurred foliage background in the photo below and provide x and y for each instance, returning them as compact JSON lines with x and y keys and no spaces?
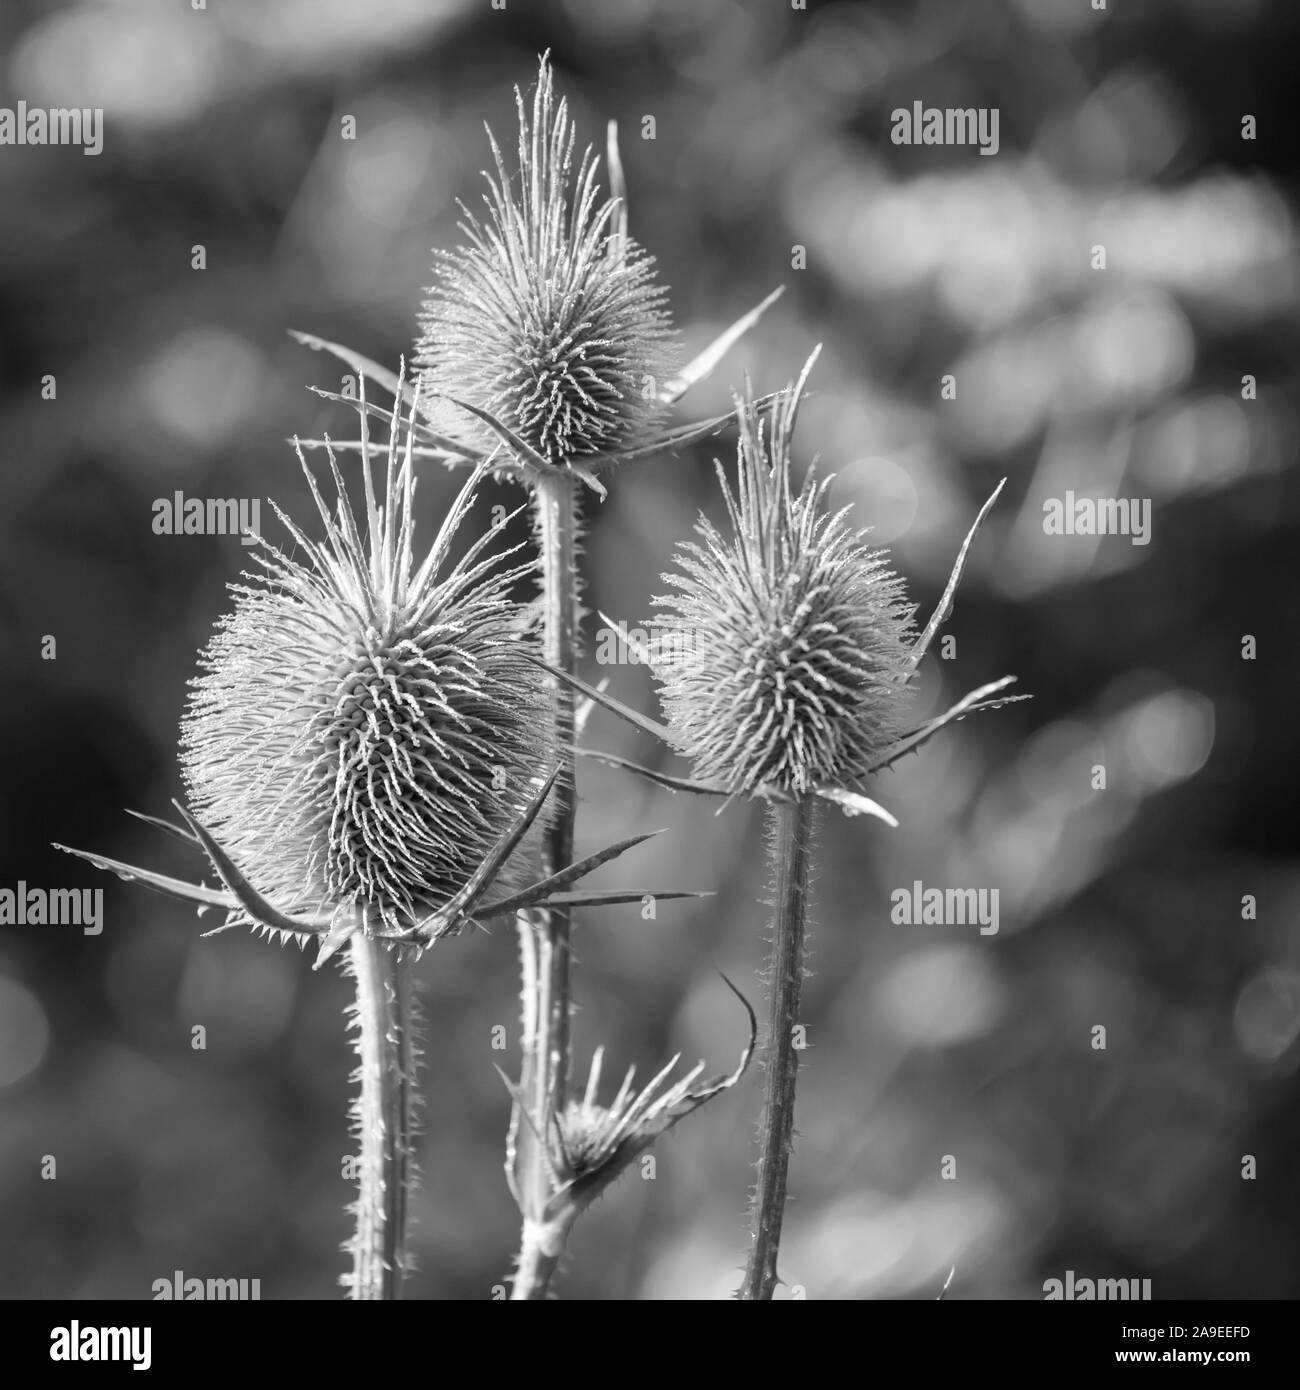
{"x":1120,"y":907}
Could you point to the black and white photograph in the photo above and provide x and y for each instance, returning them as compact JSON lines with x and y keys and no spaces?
{"x":649,"y":655}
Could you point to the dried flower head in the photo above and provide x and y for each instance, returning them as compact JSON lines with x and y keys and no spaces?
{"x":784,"y":654}
{"x":367,"y":726}
{"x":549,"y":318}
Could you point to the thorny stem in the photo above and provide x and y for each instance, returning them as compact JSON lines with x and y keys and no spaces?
{"x":540,"y":1248}
{"x":790,"y":826}
{"x":384,"y":1113}
{"x":544,"y":934}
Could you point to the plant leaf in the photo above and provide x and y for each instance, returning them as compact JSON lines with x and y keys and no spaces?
{"x":522,"y":450}
{"x":365,"y":366}
{"x":170,"y":827}
{"x":704,"y":362}
{"x":945,"y":603}
{"x":617,"y":189}
{"x":633,"y":644}
{"x":460,"y":908}
{"x":724,"y":1082}
{"x":257,"y":907}
{"x":173,"y":887}
{"x":452,"y":448}
{"x":968,"y":704}
{"x":674,"y":439}
{"x":583,"y":709}
{"x":595,"y":897}
{"x":661,"y":779}
{"x":575,"y":871}
{"x":643,"y":722}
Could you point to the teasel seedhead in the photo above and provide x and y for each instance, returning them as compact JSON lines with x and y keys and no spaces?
{"x":549,"y":318}
{"x":787,"y":656}
{"x":546,"y":331}
{"x":784,"y":655}
{"x":368,"y":748}
{"x":366,"y":727}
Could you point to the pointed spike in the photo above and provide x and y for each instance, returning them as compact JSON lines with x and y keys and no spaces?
{"x":633,"y":644}
{"x":703,"y":363}
{"x":449,"y":459}
{"x":579,"y":869}
{"x":454,"y":448}
{"x":643,"y":722}
{"x":617,"y":189}
{"x":367,"y":473}
{"x":660,"y":779}
{"x":623,"y":1092}
{"x":968,"y":704}
{"x":356,"y":361}
{"x":648,"y":1090}
{"x":674,"y":439}
{"x":227,"y":926}
{"x":596,"y":898}
{"x":516,"y":1094}
{"x":523,"y":451}
{"x":520,"y":1108}
{"x":791,"y":412}
{"x":726,"y":1082}
{"x":339,"y":934}
{"x":597,"y":1058}
{"x":250,"y":899}
{"x":945,"y":603}
{"x":462,"y":905}
{"x":161,"y":883}
{"x":582,"y":712}
{"x":170,"y":827}
{"x":451,"y":523}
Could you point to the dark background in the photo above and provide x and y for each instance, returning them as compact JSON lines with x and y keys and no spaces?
{"x":1119,"y":907}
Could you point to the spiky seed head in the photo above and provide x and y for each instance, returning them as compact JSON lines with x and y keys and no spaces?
{"x":367,"y":724}
{"x":549,"y":317}
{"x":782,"y":657}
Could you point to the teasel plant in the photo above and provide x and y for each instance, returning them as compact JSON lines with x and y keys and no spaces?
{"x":547,"y":347}
{"x":786,"y":658}
{"x":368,"y":758}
